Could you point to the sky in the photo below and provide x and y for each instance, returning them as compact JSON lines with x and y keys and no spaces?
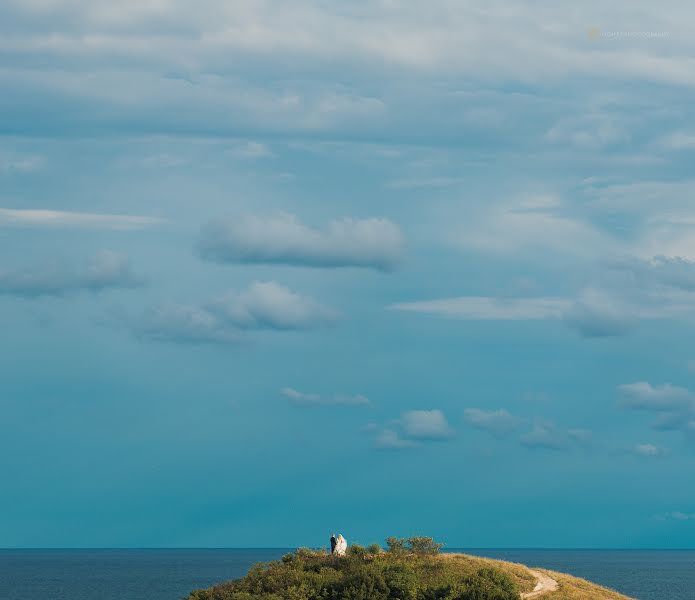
{"x":273,"y":270}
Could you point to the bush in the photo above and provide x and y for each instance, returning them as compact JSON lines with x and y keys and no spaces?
{"x":415,"y":545}
{"x":424,"y":545}
{"x":357,"y":551}
{"x":374,"y":549}
{"x":395,"y":545}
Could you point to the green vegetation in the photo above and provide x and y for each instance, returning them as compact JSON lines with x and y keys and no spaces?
{"x":413,"y":545}
{"x":409,"y":570}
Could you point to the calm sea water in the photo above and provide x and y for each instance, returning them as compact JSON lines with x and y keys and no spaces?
{"x":171,"y":574}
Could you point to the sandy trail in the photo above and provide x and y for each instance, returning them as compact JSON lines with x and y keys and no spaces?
{"x":545,"y":584}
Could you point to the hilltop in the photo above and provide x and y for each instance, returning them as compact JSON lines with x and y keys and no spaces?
{"x":411,"y":569}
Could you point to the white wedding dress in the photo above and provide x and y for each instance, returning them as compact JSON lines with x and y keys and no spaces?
{"x":340,"y":546}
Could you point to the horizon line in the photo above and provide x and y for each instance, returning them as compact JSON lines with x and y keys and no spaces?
{"x":290,"y":548}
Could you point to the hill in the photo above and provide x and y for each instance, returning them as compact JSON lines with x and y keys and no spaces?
{"x":400,"y":574}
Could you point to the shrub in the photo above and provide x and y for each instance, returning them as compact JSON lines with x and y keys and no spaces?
{"x":357,"y":551}
{"x":415,"y":545}
{"x":424,"y":545}
{"x":374,"y":549}
{"x":395,"y":545}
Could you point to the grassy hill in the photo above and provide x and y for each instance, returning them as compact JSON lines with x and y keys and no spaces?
{"x":407,"y":571}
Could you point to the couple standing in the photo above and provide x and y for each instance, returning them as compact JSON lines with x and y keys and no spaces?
{"x":338,"y":545}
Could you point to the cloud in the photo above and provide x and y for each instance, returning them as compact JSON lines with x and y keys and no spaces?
{"x":283,"y":239}
{"x":596,"y":314}
{"x":543,"y":434}
{"x":669,"y":271}
{"x":388,"y":439}
{"x":19,"y":164}
{"x":642,"y":395}
{"x":546,"y":434}
{"x":499,"y":423}
{"x":253,"y":150}
{"x":185,"y":324}
{"x":105,"y":270}
{"x":535,"y":227}
{"x":673,"y":407}
{"x":487,"y":308}
{"x":425,"y":425}
{"x":308,"y":400}
{"x":591,"y":132}
{"x":649,"y":450}
{"x":269,"y":305}
{"x":63,"y":219}
{"x":678,"y":140}
{"x":676,"y":515}
{"x":410,"y":430}
{"x":263,"y":305}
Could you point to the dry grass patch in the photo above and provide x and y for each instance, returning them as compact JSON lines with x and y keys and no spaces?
{"x":574,"y":588}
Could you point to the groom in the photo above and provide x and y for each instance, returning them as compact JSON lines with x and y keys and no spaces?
{"x":334,"y":543}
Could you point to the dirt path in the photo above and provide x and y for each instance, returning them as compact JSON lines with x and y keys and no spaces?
{"x":545,"y":584}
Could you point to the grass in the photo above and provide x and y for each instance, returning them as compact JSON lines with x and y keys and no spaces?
{"x":574,"y":588}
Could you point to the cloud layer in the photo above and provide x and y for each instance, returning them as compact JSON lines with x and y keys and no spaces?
{"x":485,"y":308}
{"x":283,"y":239}
{"x":78,"y":220}
{"x":303,"y":399}
{"x":412,"y":429}
{"x":543,"y":433}
{"x":499,"y":423}
{"x":106,"y":270}
{"x":263,"y":305}
{"x":672,"y":407}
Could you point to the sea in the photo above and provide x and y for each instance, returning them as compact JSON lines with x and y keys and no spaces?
{"x":171,"y":574}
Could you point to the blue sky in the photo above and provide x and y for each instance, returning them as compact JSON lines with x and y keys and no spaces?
{"x":270,"y":271}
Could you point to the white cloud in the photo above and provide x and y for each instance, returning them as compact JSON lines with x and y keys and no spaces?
{"x":591,"y":131}
{"x":267,"y":304}
{"x":598,"y":314}
{"x":650,"y":450}
{"x":670,"y":271}
{"x":676,"y":515}
{"x":78,"y":220}
{"x":105,"y":270}
{"x":471,"y":39}
{"x":413,"y":428}
{"x":19,"y":164}
{"x":678,"y":140}
{"x":261,"y":306}
{"x":643,"y":395}
{"x":388,"y":439}
{"x":673,"y":407}
{"x":185,"y":324}
{"x":298,"y":398}
{"x":661,"y":288}
{"x":534,"y":226}
{"x":283,"y":239}
{"x":545,"y":434}
{"x":253,"y":150}
{"x":487,"y":308}
{"x":425,"y":425}
{"x":499,"y":423}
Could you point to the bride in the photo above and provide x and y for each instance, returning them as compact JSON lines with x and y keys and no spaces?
{"x":340,"y":545}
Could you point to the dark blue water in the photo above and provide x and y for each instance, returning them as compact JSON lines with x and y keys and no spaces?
{"x":171,"y":574}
